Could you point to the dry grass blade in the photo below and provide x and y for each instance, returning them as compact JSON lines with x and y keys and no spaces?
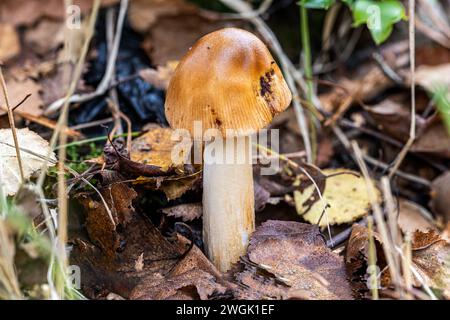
{"x":12,"y":124}
{"x":9,"y":283}
{"x":388,"y":248}
{"x":412,"y":59}
{"x":372,"y":261}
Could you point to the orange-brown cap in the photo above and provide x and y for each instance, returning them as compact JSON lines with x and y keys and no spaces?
{"x":227,"y":80}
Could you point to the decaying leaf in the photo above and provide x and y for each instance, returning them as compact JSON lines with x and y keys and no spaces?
{"x":10,"y":43}
{"x":27,"y":12}
{"x":187,"y":211}
{"x":34,"y":152}
{"x":46,"y":36}
{"x":288,"y":259}
{"x":394,"y":119}
{"x":440,"y":195}
{"x":430,"y":258}
{"x":143,"y":14}
{"x":17,"y":91}
{"x":160,"y":76}
{"x":193,"y":277}
{"x":172,"y":186}
{"x":122,"y":253}
{"x":156,"y":147}
{"x":413,"y":217}
{"x":347,"y":197}
{"x":102,"y":222}
{"x":434,"y":139}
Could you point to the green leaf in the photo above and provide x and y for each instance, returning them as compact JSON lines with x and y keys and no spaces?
{"x":379,"y":16}
{"x":316,"y":4}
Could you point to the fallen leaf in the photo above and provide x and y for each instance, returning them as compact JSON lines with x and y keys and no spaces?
{"x":34,"y":151}
{"x":193,"y":277}
{"x":46,"y":36}
{"x":434,"y":139}
{"x":17,"y":91}
{"x":412,"y":217}
{"x":109,"y":260}
{"x":101,"y":223}
{"x":143,"y":14}
{"x":428,"y":76}
{"x":156,"y":147}
{"x":346,"y":194}
{"x":440,"y":195}
{"x":27,"y":12}
{"x":286,"y":257}
{"x":160,"y":76}
{"x":10,"y":44}
{"x":394,"y":119}
{"x":186,"y":211}
{"x":172,"y":186}
{"x":430,"y":258}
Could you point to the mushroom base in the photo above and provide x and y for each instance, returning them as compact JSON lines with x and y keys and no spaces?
{"x":228,"y":200}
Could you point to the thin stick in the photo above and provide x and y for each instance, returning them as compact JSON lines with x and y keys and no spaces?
{"x":372,"y":260}
{"x":406,"y":265}
{"x":377,"y":212}
{"x":412,"y":58}
{"x":346,"y":143}
{"x":12,"y":125}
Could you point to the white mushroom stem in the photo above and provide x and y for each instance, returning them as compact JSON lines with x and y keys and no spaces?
{"x":228,"y":200}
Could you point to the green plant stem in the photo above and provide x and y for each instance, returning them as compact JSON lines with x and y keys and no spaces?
{"x":307,"y":65}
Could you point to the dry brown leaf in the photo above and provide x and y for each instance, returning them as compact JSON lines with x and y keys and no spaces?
{"x":46,"y":36}
{"x":193,"y":277}
{"x":430,"y":257}
{"x":411,"y":217}
{"x":109,"y":262}
{"x":160,"y":76}
{"x":286,"y":257}
{"x":434,"y":139}
{"x":394,"y":119}
{"x":10,"y":43}
{"x":440,"y":195}
{"x":17,"y":91}
{"x":27,"y":12}
{"x":186,"y":211}
{"x":100,"y":225}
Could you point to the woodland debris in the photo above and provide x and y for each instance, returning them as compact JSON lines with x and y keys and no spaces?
{"x":345,"y":193}
{"x":35,"y":153}
{"x":440,"y":195}
{"x":288,"y":259}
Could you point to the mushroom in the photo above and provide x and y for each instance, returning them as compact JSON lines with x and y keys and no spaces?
{"x":229,"y":82}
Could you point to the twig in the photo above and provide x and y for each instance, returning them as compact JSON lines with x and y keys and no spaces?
{"x":406,"y":263}
{"x":12,"y":125}
{"x":346,"y":143}
{"x":372,"y":261}
{"x":412,"y":58}
{"x":104,"y":85}
{"x":388,"y":248}
{"x":287,"y":66}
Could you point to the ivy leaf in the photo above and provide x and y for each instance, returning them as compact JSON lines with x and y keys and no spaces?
{"x":379,"y":16}
{"x":316,"y":4}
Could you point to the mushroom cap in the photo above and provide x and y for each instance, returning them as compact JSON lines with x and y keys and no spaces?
{"x":229,"y":81}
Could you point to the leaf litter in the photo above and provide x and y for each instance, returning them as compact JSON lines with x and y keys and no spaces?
{"x":137,"y":232}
